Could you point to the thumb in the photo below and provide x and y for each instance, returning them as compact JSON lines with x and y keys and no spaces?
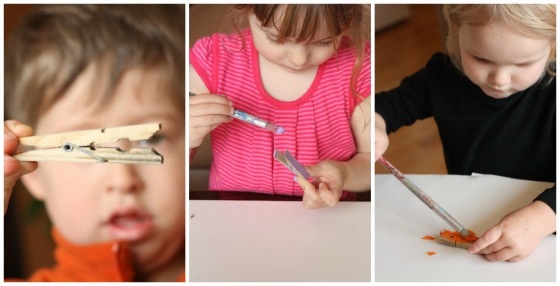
{"x":307,"y":187}
{"x":10,"y":141}
{"x":313,"y":170}
{"x":489,"y":237}
{"x":327,"y":195}
{"x":13,"y":130}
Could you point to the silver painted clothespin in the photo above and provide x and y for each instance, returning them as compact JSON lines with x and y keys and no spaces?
{"x":89,"y":146}
{"x":291,"y":163}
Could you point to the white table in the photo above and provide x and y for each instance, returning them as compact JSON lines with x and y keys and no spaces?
{"x":477,"y":202}
{"x":279,"y":241}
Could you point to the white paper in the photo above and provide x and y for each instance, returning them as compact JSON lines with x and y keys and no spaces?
{"x":477,"y":202}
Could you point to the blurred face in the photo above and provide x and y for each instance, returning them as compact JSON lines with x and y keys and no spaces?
{"x":500,"y":61}
{"x":100,"y":202}
{"x":291,"y":56}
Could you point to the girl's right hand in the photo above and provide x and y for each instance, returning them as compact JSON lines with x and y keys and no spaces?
{"x":14,"y":169}
{"x":381,"y":137}
{"x":206,"y":112}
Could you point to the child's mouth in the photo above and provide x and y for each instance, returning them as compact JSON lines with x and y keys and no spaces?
{"x":129,"y":226}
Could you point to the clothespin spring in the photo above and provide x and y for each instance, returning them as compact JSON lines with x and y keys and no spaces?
{"x":69,"y":147}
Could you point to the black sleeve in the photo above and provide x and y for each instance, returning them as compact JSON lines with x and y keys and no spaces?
{"x":548,"y":197}
{"x":410,"y":101}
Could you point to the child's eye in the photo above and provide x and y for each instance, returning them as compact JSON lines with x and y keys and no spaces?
{"x":323,"y":43}
{"x":484,"y":61}
{"x":273,"y":40}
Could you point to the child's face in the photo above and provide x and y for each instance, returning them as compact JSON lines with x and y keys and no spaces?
{"x":141,"y":204}
{"x":500,"y":61}
{"x":291,"y":56}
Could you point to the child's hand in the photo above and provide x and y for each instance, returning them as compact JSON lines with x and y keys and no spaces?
{"x":14,"y":169}
{"x":206,"y":112}
{"x":517,"y":235}
{"x":327,"y":188}
{"x":381,"y":138}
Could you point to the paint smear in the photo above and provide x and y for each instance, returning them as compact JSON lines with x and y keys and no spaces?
{"x":455,"y":236}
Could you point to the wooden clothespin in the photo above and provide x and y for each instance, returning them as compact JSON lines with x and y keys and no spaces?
{"x":291,"y":163}
{"x":455,"y":239}
{"x":87,"y":146}
{"x":447,"y":241}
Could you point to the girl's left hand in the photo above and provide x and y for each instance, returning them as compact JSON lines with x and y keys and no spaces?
{"x":517,"y":235}
{"x":327,"y":186}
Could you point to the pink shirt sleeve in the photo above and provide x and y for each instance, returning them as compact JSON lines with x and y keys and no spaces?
{"x":203,"y":57}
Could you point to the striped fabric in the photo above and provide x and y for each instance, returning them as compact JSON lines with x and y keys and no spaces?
{"x":317,"y":124}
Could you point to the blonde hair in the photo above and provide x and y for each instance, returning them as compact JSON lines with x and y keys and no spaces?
{"x":56,"y":43}
{"x":531,"y":20}
{"x":351,"y":19}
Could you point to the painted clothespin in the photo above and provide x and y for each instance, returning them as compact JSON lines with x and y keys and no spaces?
{"x":447,"y":241}
{"x":90,"y":146}
{"x":291,"y":163}
{"x":455,"y":239}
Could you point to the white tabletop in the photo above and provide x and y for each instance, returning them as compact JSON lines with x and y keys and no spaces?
{"x":279,"y":241}
{"x":477,"y":202}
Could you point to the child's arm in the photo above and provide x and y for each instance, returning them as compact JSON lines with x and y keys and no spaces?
{"x":335,"y":176}
{"x":381,"y":137}
{"x":206,"y":111}
{"x":358,"y":168}
{"x":517,"y":235}
{"x":14,"y":169}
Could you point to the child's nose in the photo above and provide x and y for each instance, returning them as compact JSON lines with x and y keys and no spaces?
{"x":123,"y":178}
{"x":298,"y":55}
{"x":500,"y":77}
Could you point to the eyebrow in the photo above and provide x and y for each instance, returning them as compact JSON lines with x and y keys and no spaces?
{"x":525,"y":62}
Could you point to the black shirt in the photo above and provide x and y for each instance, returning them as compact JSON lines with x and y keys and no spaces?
{"x":513,"y":137}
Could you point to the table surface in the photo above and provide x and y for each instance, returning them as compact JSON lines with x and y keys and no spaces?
{"x":254,"y":196}
{"x":477,"y":202}
{"x":278,"y":241}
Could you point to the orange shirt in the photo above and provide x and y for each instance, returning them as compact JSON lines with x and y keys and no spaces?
{"x":108,"y":262}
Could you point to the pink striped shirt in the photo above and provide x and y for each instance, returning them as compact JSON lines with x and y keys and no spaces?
{"x":317,"y":124}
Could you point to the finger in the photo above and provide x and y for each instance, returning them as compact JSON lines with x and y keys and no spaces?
{"x":210,"y":108}
{"x":313,"y":170}
{"x":378,"y":153}
{"x":10,"y":141}
{"x":13,"y":167}
{"x":18,"y":128}
{"x":209,"y":98}
{"x":494,"y":247}
{"x":308,"y":189}
{"x":311,"y":199}
{"x":501,"y":255}
{"x":28,"y":167}
{"x":516,"y":258}
{"x":209,"y":120}
{"x":327,"y":195}
{"x":488,"y":238}
{"x":12,"y":130}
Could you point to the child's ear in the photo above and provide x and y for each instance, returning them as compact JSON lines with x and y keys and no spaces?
{"x":33,"y":185}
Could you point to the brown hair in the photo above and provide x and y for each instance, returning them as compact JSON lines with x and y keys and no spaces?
{"x":56,"y":43}
{"x":531,"y":20}
{"x":352,"y":20}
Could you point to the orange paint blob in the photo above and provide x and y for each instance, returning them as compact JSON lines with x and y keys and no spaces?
{"x":430,"y":253}
{"x":428,"y":237}
{"x":455,"y":236}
